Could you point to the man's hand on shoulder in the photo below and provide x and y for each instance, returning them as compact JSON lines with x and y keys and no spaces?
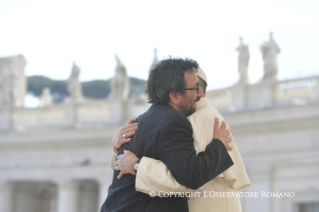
{"x":123,"y":135}
{"x":125,"y":163}
{"x":222,"y":134}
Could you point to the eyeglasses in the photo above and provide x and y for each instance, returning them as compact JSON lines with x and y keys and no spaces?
{"x":193,"y":89}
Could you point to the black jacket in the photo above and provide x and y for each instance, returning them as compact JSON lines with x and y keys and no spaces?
{"x":165,"y":134}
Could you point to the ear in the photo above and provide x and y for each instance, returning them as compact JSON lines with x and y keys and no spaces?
{"x":174,"y":97}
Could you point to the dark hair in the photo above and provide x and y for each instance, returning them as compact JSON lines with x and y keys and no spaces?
{"x":168,"y":76}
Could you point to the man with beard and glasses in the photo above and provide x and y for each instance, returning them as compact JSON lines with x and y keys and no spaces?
{"x":153,"y":176}
{"x":165,"y":134}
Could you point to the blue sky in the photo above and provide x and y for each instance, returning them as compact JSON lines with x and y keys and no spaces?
{"x":52,"y":34}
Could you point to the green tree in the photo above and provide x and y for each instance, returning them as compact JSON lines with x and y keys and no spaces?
{"x":93,"y":89}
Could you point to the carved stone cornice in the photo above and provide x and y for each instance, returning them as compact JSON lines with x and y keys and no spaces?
{"x":275,"y":126}
{"x":58,"y":139}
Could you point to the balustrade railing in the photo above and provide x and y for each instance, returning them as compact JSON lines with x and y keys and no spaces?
{"x":71,"y":114}
{"x":238,"y":97}
{"x":305,"y":88}
{"x":266,"y":94}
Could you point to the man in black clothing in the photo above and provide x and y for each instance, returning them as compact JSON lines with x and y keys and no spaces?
{"x":165,"y":134}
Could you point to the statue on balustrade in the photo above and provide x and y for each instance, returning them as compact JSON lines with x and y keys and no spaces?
{"x":12,"y":81}
{"x":243,"y":60}
{"x":46,"y":98}
{"x":74,"y":85}
{"x":120,"y":83}
{"x":270,"y":50}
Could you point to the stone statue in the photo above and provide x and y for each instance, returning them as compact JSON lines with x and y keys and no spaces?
{"x":46,"y":98}
{"x":74,"y":85}
{"x":120,"y":83}
{"x":270,"y":50}
{"x":243,"y":60}
{"x":13,"y":83}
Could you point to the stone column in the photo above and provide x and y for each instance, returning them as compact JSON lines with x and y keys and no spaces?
{"x":6,"y":194}
{"x":67,"y":196}
{"x":104,"y":185}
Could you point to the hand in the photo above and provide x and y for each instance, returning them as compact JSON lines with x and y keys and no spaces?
{"x":118,"y":139}
{"x":222,"y":134}
{"x":125,"y":163}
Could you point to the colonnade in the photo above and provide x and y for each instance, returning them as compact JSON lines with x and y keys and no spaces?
{"x":53,"y":196}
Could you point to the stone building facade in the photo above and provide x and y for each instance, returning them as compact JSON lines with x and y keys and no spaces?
{"x":56,"y":158}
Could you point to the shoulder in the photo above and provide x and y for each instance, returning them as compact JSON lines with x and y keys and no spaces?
{"x":205,"y":116}
{"x":206,"y":112}
{"x":166,"y":116}
{"x":176,"y":128}
{"x":177,"y":119}
{"x":173,"y":121}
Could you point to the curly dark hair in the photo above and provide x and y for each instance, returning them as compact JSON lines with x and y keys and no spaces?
{"x":168,"y":76}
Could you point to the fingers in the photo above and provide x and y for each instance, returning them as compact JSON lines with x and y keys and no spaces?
{"x":128,"y":127}
{"x":130,"y":122}
{"x":127,"y":151}
{"x":128,"y":130}
{"x":120,"y":175}
{"x":129,"y":133}
{"x":123,"y":141}
{"x":132,"y":127}
{"x":228,"y":140}
{"x":118,"y":139}
{"x":223,"y":126}
{"x":119,"y":157}
{"x":117,"y":165}
{"x":124,"y":134}
{"x":216,"y":125}
{"x":228,"y":147}
{"x":227,"y":132}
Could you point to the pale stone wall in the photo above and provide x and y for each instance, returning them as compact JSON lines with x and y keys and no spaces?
{"x":279,"y":147}
{"x":74,"y":162}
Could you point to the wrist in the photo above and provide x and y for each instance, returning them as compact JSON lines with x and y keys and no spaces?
{"x":115,"y":150}
{"x":136,"y":164}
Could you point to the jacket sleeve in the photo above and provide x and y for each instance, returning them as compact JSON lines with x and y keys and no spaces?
{"x":153,"y":175}
{"x":179,"y":155}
